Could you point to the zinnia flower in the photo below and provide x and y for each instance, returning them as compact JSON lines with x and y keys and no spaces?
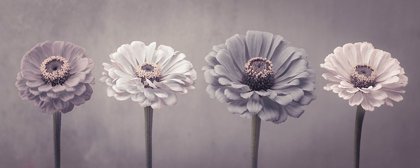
{"x":260,"y":74}
{"x":148,"y":75}
{"x":56,"y":76}
{"x":364,"y":75}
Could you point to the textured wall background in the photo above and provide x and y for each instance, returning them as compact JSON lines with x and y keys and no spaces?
{"x":199,"y":131}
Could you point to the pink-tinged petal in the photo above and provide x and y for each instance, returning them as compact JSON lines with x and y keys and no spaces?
{"x":352,"y":90}
{"x":345,"y":84}
{"x":77,"y":100}
{"x":356,"y":99}
{"x":69,"y":88}
{"x":73,"y":80}
{"x":122,"y":96}
{"x":343,"y":60}
{"x":89,"y":79}
{"x":66,"y":96}
{"x":45,"y":87}
{"x":345,"y":95}
{"x":167,"y":53}
{"x":21,"y":84}
{"x":31,"y":75}
{"x":34,"y":91}
{"x":53,"y":95}
{"x":394,"y":96}
{"x":365,"y":103}
{"x":330,"y":77}
{"x":35,"y":83}
{"x":149,"y":93}
{"x":58,"y":104}
{"x":378,"y":94}
{"x":68,"y":108}
{"x":389,"y":102}
{"x":366,"y":50}
{"x":171,"y":99}
{"x":110,"y":92}
{"x":139,"y":51}
{"x":157,"y":104}
{"x":80,"y":89}
{"x":58,"y":88}
{"x":79,"y":66}
{"x":127,"y":51}
{"x":150,"y":50}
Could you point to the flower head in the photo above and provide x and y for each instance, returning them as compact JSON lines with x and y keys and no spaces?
{"x":56,"y":76}
{"x":148,"y":75}
{"x":364,"y":75}
{"x":260,"y":74}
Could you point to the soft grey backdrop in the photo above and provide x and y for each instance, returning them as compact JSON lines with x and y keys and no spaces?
{"x":199,"y":132}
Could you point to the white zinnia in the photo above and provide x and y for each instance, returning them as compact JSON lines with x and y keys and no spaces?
{"x":364,"y":75}
{"x":148,"y":75}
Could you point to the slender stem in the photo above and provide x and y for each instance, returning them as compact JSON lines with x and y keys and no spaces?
{"x":256,"y":125}
{"x":148,"y":117}
{"x":360,"y":114}
{"x":57,"y":130}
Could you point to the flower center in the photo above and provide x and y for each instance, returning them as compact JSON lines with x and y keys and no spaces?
{"x":55,"y":70}
{"x":363,"y":76}
{"x":258,"y":74}
{"x":149,"y":71}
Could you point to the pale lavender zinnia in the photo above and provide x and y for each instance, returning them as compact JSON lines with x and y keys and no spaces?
{"x":364,"y":75}
{"x":56,"y":76}
{"x":260,"y":74}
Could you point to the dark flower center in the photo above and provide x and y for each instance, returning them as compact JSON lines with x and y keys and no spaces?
{"x":363,"y":76}
{"x":55,"y":70}
{"x":258,"y":74}
{"x":149,"y":71}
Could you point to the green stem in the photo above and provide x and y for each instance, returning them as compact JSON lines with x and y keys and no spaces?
{"x":256,"y":125}
{"x":57,"y":130}
{"x":360,"y":114}
{"x":148,"y":117}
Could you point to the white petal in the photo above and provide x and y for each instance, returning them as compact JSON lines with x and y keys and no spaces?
{"x":171,"y":99}
{"x":150,"y":50}
{"x":139,"y":49}
{"x":356,"y":99}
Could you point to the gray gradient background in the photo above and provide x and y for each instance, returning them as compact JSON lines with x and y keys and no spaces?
{"x":199,"y":132}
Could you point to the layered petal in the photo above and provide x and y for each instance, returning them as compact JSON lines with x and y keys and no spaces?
{"x":388,"y":75}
